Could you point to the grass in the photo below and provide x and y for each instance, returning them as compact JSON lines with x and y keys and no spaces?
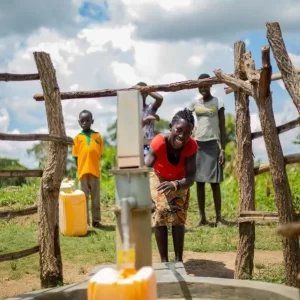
{"x":98,"y":246}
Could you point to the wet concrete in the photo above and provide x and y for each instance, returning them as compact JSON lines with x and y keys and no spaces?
{"x":174,"y":283}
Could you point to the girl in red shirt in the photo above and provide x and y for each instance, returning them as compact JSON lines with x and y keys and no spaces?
{"x":173,"y":158}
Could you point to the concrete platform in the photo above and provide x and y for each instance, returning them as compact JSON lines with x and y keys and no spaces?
{"x":174,"y":283}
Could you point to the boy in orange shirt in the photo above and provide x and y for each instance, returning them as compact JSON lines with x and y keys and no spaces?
{"x":87,"y":151}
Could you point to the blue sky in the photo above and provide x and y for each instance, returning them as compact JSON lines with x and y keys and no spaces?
{"x":114,"y":44}
{"x":95,"y":13}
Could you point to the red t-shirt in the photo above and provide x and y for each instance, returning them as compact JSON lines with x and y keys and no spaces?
{"x":162,"y":165}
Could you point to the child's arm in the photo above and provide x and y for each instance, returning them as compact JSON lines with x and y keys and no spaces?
{"x":75,"y":151}
{"x":158,"y":100}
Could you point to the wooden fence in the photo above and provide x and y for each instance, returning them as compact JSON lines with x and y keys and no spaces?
{"x":50,"y":269}
{"x":246,"y":81}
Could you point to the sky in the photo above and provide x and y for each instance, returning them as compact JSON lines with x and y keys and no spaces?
{"x":101,"y":44}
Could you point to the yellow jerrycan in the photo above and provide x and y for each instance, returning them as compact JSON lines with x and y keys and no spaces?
{"x":72,"y":213}
{"x":108,"y":284}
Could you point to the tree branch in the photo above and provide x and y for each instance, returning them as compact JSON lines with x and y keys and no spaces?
{"x":284,"y":63}
{"x":234,"y":82}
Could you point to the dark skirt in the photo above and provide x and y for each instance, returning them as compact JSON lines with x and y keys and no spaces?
{"x":208,"y":168}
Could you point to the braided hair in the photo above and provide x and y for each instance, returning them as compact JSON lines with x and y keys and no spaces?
{"x":186,"y":115}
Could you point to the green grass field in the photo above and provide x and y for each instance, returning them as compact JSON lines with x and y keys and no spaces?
{"x":99,"y":246}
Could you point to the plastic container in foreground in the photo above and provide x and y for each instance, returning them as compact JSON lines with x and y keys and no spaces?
{"x":68,"y":185}
{"x":72,"y":213}
{"x":110,"y":284}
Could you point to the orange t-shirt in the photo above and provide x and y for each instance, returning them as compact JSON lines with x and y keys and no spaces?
{"x":88,"y":148}
{"x":162,"y":165}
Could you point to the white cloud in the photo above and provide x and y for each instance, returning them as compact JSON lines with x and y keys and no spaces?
{"x":22,"y":18}
{"x":4,"y":120}
{"x":209,"y":20}
{"x":13,"y":149}
{"x":247,"y":42}
{"x":129,"y":48}
{"x":119,"y":37}
{"x":281,"y":84}
{"x":288,"y":113}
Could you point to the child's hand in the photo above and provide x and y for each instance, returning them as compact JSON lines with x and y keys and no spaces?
{"x":147,"y":120}
{"x":157,"y":117}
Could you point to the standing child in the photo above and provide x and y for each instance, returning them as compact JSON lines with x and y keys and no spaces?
{"x":210,"y":136}
{"x":87,"y":151}
{"x":149,"y":116}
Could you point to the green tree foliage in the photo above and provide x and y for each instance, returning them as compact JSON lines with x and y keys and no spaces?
{"x":297,"y":140}
{"x":40,"y":152}
{"x":230,"y":128}
{"x":11,"y":164}
{"x":230,"y":145}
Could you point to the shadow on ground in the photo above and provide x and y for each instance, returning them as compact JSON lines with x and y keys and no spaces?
{"x":207,"y":268}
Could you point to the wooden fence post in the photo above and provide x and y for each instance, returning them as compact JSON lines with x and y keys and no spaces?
{"x":245,"y":172}
{"x":258,"y":86}
{"x":51,"y":273}
{"x":289,"y":74}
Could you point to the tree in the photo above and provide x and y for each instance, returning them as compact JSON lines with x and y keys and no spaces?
{"x":230,"y":128}
{"x":230,"y":145}
{"x":40,"y":152}
{"x":11,"y":164}
{"x":297,"y":140}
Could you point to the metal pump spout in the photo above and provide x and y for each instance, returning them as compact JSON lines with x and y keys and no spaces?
{"x":126,"y":205}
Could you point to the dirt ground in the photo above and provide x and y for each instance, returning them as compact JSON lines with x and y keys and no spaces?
{"x":196,"y":264}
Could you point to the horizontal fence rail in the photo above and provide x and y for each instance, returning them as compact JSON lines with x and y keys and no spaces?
{"x":18,"y":77}
{"x":251,"y":216}
{"x":289,"y":159}
{"x":19,"y":254}
{"x":35,"y":137}
{"x":280,"y":129}
{"x":172,"y":87}
{"x":10,"y":214}
{"x":21,"y":173}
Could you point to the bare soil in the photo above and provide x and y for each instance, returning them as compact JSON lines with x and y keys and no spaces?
{"x":196,"y":264}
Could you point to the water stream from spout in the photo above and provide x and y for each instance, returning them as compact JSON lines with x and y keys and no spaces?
{"x":125,"y":211}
